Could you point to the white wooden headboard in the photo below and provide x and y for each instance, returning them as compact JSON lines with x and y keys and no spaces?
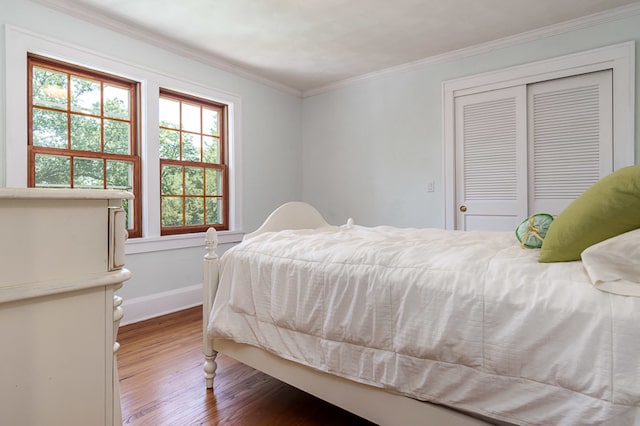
{"x":292,"y":215}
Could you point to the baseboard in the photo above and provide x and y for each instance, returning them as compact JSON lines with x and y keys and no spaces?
{"x":154,"y":305}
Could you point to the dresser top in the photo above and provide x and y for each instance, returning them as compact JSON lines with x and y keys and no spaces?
{"x":63,"y":194}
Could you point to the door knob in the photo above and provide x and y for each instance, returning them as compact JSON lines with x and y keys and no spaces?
{"x":463,"y":209}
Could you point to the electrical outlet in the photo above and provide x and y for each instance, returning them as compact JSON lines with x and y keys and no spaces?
{"x":431,"y":186}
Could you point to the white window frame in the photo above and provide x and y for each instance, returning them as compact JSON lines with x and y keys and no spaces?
{"x":19,"y":42}
{"x":620,"y":58}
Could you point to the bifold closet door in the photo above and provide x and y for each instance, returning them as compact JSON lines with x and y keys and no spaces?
{"x":570,"y":138}
{"x":491,"y":150}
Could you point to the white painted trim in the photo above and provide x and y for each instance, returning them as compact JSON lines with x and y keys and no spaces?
{"x":80,"y":11}
{"x":547,"y":69}
{"x":548,"y":31}
{"x":170,"y":242}
{"x":620,"y":58}
{"x":18,"y":42}
{"x":154,"y":305}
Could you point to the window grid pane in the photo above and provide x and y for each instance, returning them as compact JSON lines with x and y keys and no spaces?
{"x":50,"y":88}
{"x":86,"y":96}
{"x":210,"y":149}
{"x":169,"y":113}
{"x":116,"y":102}
{"x":172,"y":183}
{"x":85,"y":133}
{"x":172,"y":211}
{"x":53,"y":171}
{"x":49,"y":128}
{"x":88,"y":173}
{"x":120,"y":175}
{"x":194,"y":211}
{"x":191,"y":146}
{"x":194,"y":180}
{"x":117,"y":137}
{"x":213,"y":209}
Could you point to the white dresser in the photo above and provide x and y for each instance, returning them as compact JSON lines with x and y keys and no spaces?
{"x":61,"y":261}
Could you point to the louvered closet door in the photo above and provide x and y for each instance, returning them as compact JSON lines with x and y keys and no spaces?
{"x":491,"y":159}
{"x":570,"y":138}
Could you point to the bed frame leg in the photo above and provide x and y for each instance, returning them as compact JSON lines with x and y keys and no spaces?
{"x":209,"y":288}
{"x":210,"y":367}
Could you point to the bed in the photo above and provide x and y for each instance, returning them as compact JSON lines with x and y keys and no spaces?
{"x":423,"y":326}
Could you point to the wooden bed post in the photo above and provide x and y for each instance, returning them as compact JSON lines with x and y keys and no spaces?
{"x":209,"y":288}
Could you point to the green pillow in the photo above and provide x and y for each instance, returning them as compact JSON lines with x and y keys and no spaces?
{"x":609,"y":208}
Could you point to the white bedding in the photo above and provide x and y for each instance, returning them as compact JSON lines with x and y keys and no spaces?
{"x":464,"y":319}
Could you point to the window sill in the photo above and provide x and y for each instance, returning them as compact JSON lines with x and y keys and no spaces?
{"x":170,"y":242}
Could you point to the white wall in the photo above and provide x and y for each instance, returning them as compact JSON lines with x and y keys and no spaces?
{"x":270,"y":133}
{"x":370,"y":148}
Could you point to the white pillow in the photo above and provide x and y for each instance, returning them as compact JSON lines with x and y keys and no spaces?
{"x":614,"y":264}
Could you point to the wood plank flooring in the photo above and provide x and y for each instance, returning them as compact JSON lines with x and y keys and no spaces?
{"x":161,"y":383}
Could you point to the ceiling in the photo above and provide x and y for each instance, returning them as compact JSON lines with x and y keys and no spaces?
{"x":305,"y":45}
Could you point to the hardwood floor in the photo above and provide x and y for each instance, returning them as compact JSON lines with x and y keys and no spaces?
{"x":161,"y":383}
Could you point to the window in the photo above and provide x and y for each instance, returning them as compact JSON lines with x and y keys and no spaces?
{"x":83,"y":131}
{"x":192,"y":144}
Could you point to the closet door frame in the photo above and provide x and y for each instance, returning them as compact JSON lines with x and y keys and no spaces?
{"x":620,"y":58}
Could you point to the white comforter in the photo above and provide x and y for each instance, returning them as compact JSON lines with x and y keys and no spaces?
{"x":465,"y":319}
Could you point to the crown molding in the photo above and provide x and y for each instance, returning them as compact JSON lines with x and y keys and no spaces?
{"x":71,"y":8}
{"x":548,"y":31}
